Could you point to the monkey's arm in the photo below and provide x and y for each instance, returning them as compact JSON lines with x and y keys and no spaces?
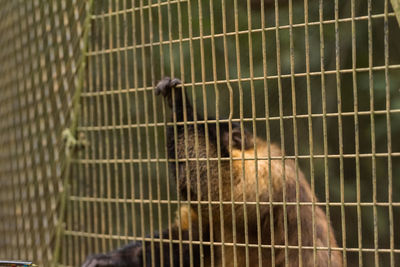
{"x":129,"y":255}
{"x":132,"y":254}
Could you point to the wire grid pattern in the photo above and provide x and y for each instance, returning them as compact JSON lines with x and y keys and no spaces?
{"x":40,"y":50}
{"x":318,"y":77}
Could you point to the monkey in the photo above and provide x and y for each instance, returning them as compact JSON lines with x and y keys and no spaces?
{"x":242,"y":178}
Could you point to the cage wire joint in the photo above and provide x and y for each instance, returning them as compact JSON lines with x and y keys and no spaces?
{"x":396,"y":9}
{"x":72,"y":143}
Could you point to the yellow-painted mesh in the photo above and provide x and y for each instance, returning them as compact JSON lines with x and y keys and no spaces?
{"x":319,"y":78}
{"x":40,"y":48}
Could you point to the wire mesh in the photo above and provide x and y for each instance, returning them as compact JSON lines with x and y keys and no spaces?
{"x":319,"y":78}
{"x":40,"y":51}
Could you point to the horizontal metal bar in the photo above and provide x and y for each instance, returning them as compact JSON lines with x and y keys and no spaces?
{"x":155,"y":160}
{"x":205,"y":202}
{"x":129,"y":10}
{"x":226,"y":244}
{"x":219,"y":35}
{"x":244,"y":79}
{"x":297,"y":116}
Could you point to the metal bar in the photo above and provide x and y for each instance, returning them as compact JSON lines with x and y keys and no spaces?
{"x":156,"y":138}
{"x":244,"y":79}
{"x":126,"y":139}
{"x":227,"y":76}
{"x":243,"y":176}
{"x":340,"y":132}
{"x":146,"y":119}
{"x":138,"y":133}
{"x":356,"y":130}
{"x":198,"y":178}
{"x":295,"y":131}
{"x":389,"y":135}
{"x":298,"y":116}
{"x":171,"y":256}
{"x":217,"y":35}
{"x":268,"y":132}
{"x":196,"y":138}
{"x":310,"y":130}
{"x":373,"y":139}
{"x":301,"y":203}
{"x":281,"y":132}
{"x":317,"y":156}
{"x":324,"y":126}
{"x":355,"y":250}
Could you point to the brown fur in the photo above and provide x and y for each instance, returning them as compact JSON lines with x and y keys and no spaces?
{"x":247,"y":185}
{"x":203,"y":177}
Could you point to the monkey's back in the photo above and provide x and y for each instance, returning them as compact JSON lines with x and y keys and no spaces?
{"x":265,"y":172}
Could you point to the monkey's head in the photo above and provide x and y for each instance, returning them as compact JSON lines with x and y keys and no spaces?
{"x":204,"y":166}
{"x":239,"y":142}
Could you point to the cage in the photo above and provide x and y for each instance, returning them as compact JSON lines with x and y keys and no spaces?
{"x":84,"y":157}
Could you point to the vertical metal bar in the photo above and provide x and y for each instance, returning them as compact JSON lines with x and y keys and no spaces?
{"x":76,"y":171}
{"x":122,"y":138}
{"x":295,"y":132}
{"x":310,"y":129}
{"x":86,"y":167}
{"x":203,"y":79}
{"x":160,"y":26}
{"x":86,"y":172}
{"x":89,"y":112}
{"x":373,"y":145}
{"x":389,"y":134}
{"x":155,"y":119}
{"x":107,"y":138}
{"x":268,"y":134}
{"x":146,"y":121}
{"x":356,"y":130}
{"x":128,"y":111}
{"x":217,"y":117}
{"x":114,"y":171}
{"x":137,"y":126}
{"x":340,"y":130}
{"x":227,"y":76}
{"x":282,"y":133}
{"x":138,"y":132}
{"x":243,"y":177}
{"x":171,"y":59}
{"x":193,"y":78}
{"x":99,"y":71}
{"x":324,"y":123}
{"x":254,"y":116}
{"x":185,"y":128}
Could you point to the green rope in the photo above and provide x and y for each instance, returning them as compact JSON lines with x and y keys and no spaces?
{"x":396,"y":8}
{"x":71,"y":143}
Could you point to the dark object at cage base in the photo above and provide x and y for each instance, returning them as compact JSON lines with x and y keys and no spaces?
{"x":16,"y":263}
